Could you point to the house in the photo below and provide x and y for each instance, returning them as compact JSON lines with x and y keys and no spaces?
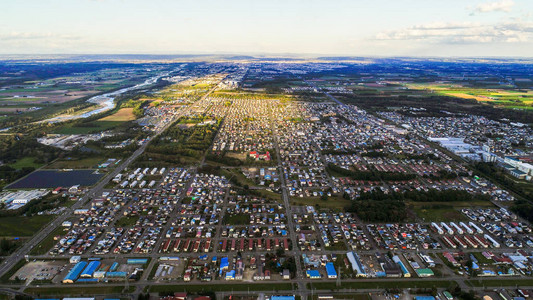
{"x":286,"y":274}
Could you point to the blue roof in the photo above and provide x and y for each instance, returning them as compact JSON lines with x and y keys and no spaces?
{"x":137,"y":261}
{"x":330,"y":269}
{"x":75,"y":271}
{"x":424,"y":298}
{"x":114,"y":267}
{"x":230,"y":274}
{"x":91,"y":267}
{"x":87,"y":280}
{"x":223,"y":263}
{"x":116,"y":274}
{"x":282,"y":298}
{"x":313,"y":273}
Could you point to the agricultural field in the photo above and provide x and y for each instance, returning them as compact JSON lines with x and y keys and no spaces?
{"x":122,"y":115}
{"x":522,"y":99}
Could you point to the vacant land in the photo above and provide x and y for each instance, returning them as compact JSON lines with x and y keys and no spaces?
{"x":122,"y":115}
{"x":47,"y":243}
{"x":25,"y":162}
{"x":86,"y":128}
{"x":19,"y":226}
{"x":72,"y":163}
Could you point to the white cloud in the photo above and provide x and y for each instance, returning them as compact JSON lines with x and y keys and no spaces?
{"x":464,"y":32}
{"x":503,"y":6}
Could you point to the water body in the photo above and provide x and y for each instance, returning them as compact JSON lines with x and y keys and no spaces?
{"x":105,"y":101}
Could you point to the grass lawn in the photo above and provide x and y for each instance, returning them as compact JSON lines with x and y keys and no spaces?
{"x":89,"y":290}
{"x":22,"y":226}
{"x":127,"y":221}
{"x":444,"y":211}
{"x":363,"y":284}
{"x":47,"y":243}
{"x":334,"y":202}
{"x":192,"y":288}
{"x":95,"y":126}
{"x":439,"y":214}
{"x":25,"y":162}
{"x":239,"y":219}
{"x":501,"y":282}
{"x":84,"y":163}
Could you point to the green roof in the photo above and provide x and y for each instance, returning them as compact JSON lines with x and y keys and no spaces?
{"x":426,"y":272}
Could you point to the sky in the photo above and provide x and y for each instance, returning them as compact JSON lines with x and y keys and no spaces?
{"x":472,"y":28}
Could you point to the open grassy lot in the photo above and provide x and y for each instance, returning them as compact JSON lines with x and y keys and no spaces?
{"x":239,"y":219}
{"x":439,"y":214}
{"x":191,"y":288}
{"x":122,"y":115}
{"x":92,"y":127}
{"x":84,"y":163}
{"x":47,"y":243}
{"x":510,"y":282}
{"x":127,"y":221}
{"x":334,"y":202}
{"x":25,"y":162}
{"x":383,"y":284}
{"x":88,"y":290}
{"x":444,"y":211}
{"x":22,"y":226}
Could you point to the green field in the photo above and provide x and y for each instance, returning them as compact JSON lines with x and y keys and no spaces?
{"x":239,"y":219}
{"x":439,"y":214}
{"x":444,"y":211}
{"x":127,"y":221}
{"x":333,"y":202}
{"x":25,"y":162}
{"x":95,"y":126}
{"x":84,"y":163}
{"x":47,"y":243}
{"x":382,"y":284}
{"x":506,"y":98}
{"x":511,"y":282}
{"x":22,"y":226}
{"x":89,"y":290}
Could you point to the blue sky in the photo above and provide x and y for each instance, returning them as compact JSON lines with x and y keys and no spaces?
{"x":334,"y":27}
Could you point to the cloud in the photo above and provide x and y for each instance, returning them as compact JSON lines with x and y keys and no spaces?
{"x":463,"y":32}
{"x":503,"y":6}
{"x":36,"y":35}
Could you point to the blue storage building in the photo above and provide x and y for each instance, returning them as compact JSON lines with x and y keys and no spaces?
{"x":74,"y":273}
{"x":90,"y":269}
{"x":116,"y":274}
{"x":137,"y":261}
{"x":113,"y":267}
{"x":330,"y":270}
